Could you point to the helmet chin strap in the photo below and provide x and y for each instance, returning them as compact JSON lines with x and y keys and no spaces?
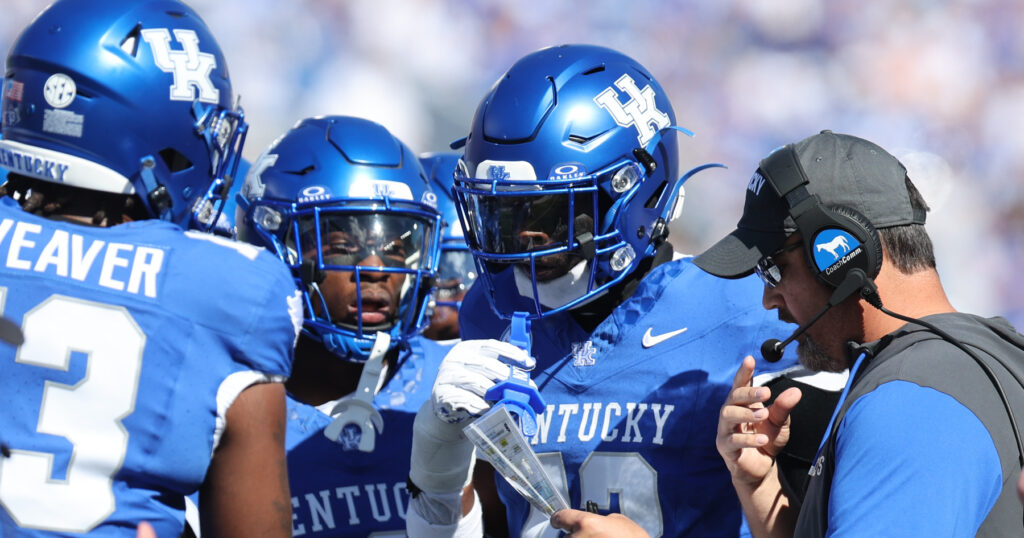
{"x":347,"y":348}
{"x":556,"y":292}
{"x":357,"y":408}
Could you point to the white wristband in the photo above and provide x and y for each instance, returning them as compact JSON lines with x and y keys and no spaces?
{"x":442,"y":458}
{"x":417,"y":524}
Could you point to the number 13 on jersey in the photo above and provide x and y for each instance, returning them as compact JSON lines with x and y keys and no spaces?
{"x":88,"y":414}
{"x":605,"y":477}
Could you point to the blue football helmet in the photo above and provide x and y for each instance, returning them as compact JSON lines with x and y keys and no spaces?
{"x":124,"y":96}
{"x":349,"y":208}
{"x":568,"y":178}
{"x":457,"y":270}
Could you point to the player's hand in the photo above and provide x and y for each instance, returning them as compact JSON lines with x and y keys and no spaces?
{"x":468,"y":371}
{"x":579,"y":524}
{"x":442,"y":457}
{"x":145,"y":530}
{"x":749,"y":434}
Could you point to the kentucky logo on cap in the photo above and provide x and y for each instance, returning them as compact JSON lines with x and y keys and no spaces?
{"x":756,"y":183}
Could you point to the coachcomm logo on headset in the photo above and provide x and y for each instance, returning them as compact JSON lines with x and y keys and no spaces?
{"x":833,"y":248}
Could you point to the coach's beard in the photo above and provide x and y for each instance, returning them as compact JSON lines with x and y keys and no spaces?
{"x":813,"y":356}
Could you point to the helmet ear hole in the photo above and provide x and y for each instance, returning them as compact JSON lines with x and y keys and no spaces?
{"x":175,"y":160}
{"x":652,"y":202}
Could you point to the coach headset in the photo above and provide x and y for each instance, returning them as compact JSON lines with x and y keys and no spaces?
{"x":853,"y":272}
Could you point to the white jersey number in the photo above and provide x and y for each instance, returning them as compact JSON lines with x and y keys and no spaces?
{"x":625,"y":476}
{"x":87,"y":414}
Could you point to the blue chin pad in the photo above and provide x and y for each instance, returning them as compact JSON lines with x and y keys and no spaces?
{"x":347,"y":348}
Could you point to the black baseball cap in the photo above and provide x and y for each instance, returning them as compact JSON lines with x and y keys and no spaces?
{"x":10,"y":333}
{"x":841,"y":170}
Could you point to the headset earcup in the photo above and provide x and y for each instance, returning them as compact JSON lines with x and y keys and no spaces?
{"x":861,"y":228}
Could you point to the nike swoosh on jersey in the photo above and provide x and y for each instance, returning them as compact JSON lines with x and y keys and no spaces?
{"x":651,"y":341}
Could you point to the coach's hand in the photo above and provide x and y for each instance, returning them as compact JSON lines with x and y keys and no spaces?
{"x":145,"y":530}
{"x":579,"y":524}
{"x":749,"y":434}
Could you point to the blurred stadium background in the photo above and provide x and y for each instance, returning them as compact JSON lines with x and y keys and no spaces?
{"x":938,"y":82}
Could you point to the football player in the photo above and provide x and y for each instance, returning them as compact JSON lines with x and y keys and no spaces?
{"x":349,"y":208}
{"x":154,"y":358}
{"x":569,"y":174}
{"x":456,"y":272}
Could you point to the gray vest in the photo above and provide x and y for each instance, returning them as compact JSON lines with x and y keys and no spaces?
{"x":954,"y":373}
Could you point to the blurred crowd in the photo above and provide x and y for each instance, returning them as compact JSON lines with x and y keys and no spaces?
{"x":938,"y":82}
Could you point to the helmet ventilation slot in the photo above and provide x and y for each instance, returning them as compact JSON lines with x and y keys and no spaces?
{"x":175,"y":160}
{"x":130,"y":43}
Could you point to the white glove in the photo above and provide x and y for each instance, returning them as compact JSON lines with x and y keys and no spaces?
{"x":442,"y":457}
{"x":469,"y":370}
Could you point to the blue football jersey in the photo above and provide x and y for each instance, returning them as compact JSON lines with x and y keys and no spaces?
{"x":137,"y":339}
{"x":632,"y":407}
{"x":338,"y":490}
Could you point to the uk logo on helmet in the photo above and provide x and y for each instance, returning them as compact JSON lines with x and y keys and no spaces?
{"x":380,"y":188}
{"x":190,"y":67}
{"x":498,"y":172}
{"x":640,"y":111}
{"x":253,"y":186}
